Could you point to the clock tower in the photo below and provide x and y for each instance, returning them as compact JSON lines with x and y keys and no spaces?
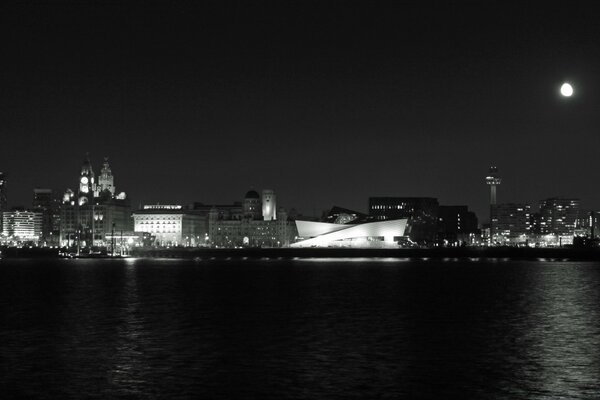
{"x":87,"y":183}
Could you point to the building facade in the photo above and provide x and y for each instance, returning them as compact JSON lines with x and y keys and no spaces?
{"x":378,"y":234}
{"x":421,"y":213}
{"x":252,"y":228}
{"x":171,"y":225}
{"x":511,"y":223}
{"x":94,"y":211}
{"x":558,"y":218}
{"x":45,"y":202}
{"x":21,"y":226}
{"x":457,"y":225}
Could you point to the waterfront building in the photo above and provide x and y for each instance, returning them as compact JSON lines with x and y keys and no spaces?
{"x":106,"y":181}
{"x":45,"y":202}
{"x":95,"y":210}
{"x":341,"y":215}
{"x":588,"y":224}
{"x":171,"y":225}
{"x":21,"y":226}
{"x":252,"y":206}
{"x":227,"y":228}
{"x":421,"y":213}
{"x":457,"y":225}
{"x":225,"y":211}
{"x":378,"y":234}
{"x":511,"y":223}
{"x":558,"y":218}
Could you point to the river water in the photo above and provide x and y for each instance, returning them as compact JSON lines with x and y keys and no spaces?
{"x":302,"y":329}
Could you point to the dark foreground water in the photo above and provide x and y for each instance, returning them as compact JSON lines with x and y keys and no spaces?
{"x":299,"y":329}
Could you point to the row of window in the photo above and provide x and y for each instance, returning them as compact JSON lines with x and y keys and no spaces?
{"x":392,"y":207}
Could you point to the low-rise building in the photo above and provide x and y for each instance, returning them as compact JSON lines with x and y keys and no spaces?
{"x":171,"y":225}
{"x":20,"y":225}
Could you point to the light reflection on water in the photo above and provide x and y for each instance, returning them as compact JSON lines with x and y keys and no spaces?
{"x":293,"y":329}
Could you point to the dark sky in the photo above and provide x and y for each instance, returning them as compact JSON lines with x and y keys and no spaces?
{"x":324,"y":102}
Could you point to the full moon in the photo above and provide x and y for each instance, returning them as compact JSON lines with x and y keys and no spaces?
{"x":566,"y":90}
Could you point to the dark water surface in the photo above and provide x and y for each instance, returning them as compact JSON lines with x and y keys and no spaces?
{"x":299,"y":329}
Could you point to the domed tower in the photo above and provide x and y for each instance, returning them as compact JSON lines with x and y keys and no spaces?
{"x":106,"y":181}
{"x":252,"y":207}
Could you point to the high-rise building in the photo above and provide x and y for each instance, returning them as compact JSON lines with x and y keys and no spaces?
{"x":421,"y":212}
{"x":586,"y":224}
{"x":558,"y":217}
{"x":3,"y":201}
{"x":511,"y":223}
{"x":456,"y":223}
{"x":269,"y":205}
{"x":48,"y":205}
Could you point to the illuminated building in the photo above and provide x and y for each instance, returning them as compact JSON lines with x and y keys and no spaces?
{"x":3,"y":202}
{"x":511,"y":223}
{"x":46,"y":203}
{"x":251,"y":228}
{"x":558,"y":217}
{"x":385,"y":233}
{"x":492,"y":179}
{"x":87,"y":184}
{"x":421,"y":212}
{"x":269,"y":205}
{"x":171,"y":225}
{"x":86,"y":217}
{"x":106,"y":181}
{"x":20,"y":225}
{"x":586,"y":224}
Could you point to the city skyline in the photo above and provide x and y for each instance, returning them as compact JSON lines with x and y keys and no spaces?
{"x":327,"y":103}
{"x":483,"y":214}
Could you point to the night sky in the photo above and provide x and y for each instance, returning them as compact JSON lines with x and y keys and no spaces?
{"x":327,"y":103}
